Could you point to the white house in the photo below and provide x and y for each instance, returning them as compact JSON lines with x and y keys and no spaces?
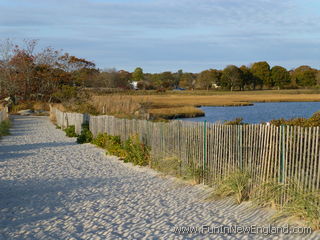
{"x":134,"y":85}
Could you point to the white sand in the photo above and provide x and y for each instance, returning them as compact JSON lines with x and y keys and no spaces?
{"x":53,"y":188}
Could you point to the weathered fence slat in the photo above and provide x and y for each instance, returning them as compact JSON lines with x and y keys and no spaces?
{"x":214,"y":150}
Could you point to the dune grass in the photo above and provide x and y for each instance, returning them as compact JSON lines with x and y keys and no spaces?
{"x":236,"y":184}
{"x":299,"y":204}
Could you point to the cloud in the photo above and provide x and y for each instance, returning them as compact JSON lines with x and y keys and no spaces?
{"x":165,"y":34}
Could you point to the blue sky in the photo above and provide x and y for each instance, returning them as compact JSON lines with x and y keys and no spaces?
{"x":161,"y":35}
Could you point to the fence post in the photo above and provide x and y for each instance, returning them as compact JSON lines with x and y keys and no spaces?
{"x":240,"y":147}
{"x":204,"y":149}
{"x":282,"y":156}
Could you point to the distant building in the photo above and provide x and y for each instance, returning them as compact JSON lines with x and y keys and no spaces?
{"x":134,"y":85}
{"x":214,"y":85}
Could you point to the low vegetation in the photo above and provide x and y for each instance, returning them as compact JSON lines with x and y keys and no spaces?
{"x":5,"y":128}
{"x":112,"y":144}
{"x":299,"y":204}
{"x":136,"y":151}
{"x":70,"y":131}
{"x":237,"y":121}
{"x":237,"y":184}
{"x":132,"y":150}
{"x":85,"y":135}
{"x":313,"y":121}
{"x":171,"y":165}
{"x":32,"y":105}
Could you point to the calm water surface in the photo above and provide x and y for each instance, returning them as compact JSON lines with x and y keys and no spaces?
{"x":259,"y":112}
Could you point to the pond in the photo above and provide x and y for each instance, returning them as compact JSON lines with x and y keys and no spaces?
{"x":259,"y":112}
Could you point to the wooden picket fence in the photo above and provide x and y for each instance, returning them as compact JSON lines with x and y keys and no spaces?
{"x":3,"y":114}
{"x":214,"y":150}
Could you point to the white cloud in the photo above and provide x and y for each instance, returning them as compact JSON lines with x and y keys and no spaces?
{"x":149,"y":32}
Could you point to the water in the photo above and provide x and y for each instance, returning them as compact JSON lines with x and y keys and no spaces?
{"x":259,"y":112}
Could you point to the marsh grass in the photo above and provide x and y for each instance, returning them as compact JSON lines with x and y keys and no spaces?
{"x":175,"y":112}
{"x":171,"y":105}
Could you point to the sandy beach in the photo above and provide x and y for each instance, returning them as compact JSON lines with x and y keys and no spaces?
{"x":53,"y":188}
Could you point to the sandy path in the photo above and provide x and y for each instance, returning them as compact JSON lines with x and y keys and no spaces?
{"x":53,"y":188}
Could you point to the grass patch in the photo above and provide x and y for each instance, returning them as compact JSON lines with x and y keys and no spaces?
{"x":5,"y":128}
{"x":236,"y":184}
{"x":168,"y":165}
{"x":299,"y":204}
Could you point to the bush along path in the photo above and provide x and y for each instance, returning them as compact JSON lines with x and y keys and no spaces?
{"x":53,"y":188}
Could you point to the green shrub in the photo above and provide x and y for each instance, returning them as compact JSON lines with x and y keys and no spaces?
{"x":237,"y":184}
{"x":100,"y":140}
{"x":4,"y":128}
{"x":237,"y":121}
{"x":70,"y":131}
{"x":137,"y":152}
{"x":132,"y":150}
{"x":86,"y":135}
{"x":112,"y":144}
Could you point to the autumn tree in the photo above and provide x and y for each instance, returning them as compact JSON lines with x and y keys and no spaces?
{"x":124,"y":79}
{"x":7,"y":87}
{"x":232,"y":78}
{"x":305,"y":76}
{"x":207,"y":78}
{"x":177,"y":77}
{"x":247,"y":76}
{"x":167,"y":80}
{"x":22,"y":75}
{"x":79,"y":68}
{"x":280,"y":76}
{"x":261,"y":74}
{"x":28,"y":74}
{"x":188,"y":80}
{"x":137,"y":75}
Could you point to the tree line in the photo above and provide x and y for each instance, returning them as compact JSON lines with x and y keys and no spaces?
{"x":28,"y":73}
{"x":258,"y":75}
